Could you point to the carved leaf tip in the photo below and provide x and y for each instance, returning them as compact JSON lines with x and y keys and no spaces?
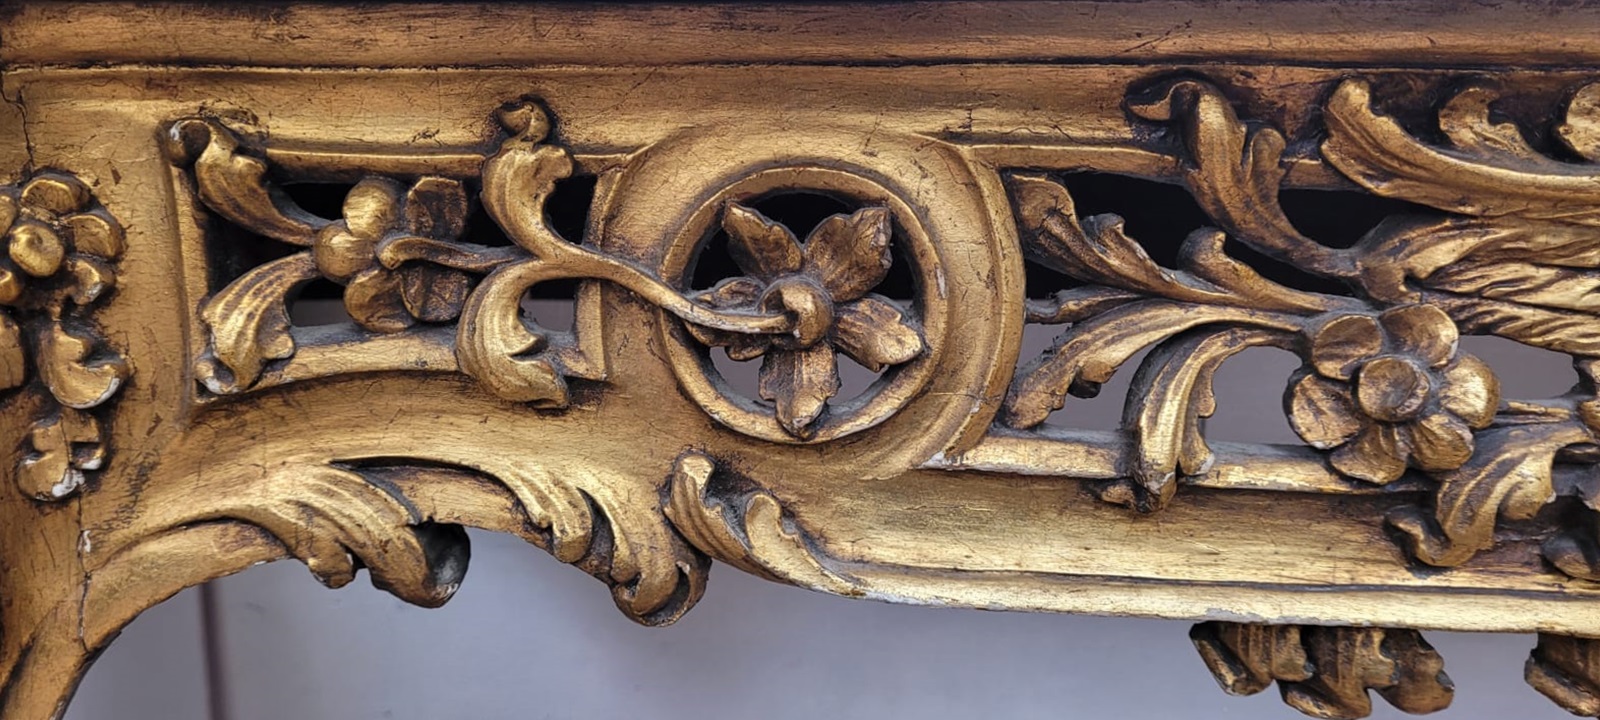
{"x":1234,"y":171}
{"x":60,"y":448}
{"x":520,"y":176}
{"x":1580,"y":131}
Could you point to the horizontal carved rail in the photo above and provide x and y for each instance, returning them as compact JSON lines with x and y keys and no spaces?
{"x":880,"y":243}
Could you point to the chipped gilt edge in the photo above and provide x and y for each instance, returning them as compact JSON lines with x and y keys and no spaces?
{"x":237,"y":437}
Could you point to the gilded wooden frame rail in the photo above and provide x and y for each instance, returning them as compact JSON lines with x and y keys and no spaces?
{"x":165,"y":423}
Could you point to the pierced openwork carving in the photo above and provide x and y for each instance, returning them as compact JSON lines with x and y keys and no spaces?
{"x":1385,"y":389}
{"x":1420,"y":496}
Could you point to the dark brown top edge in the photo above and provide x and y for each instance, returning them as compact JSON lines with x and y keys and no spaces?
{"x":374,"y":34}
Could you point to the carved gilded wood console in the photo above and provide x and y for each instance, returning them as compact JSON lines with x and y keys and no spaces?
{"x":176,"y":176}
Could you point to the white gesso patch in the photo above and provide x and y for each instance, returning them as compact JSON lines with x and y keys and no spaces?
{"x":70,"y":481}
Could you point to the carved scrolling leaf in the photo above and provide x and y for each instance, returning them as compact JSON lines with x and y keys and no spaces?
{"x":1482,"y":180}
{"x":328,"y":517}
{"x":234,"y":183}
{"x":495,"y":345}
{"x":1326,"y":672}
{"x":1508,"y":476}
{"x":1096,"y":250}
{"x":586,"y":521}
{"x":1089,"y":353}
{"x":403,"y":519}
{"x":1234,"y":172}
{"x":746,"y":528}
{"x":249,"y":323}
{"x":1170,"y":394}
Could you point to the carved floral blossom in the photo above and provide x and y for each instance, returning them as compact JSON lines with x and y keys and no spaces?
{"x":59,"y":245}
{"x":1391,"y":391}
{"x":379,"y":214}
{"x":824,"y":284}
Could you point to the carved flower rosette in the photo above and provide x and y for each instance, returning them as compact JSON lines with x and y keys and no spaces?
{"x":61,"y":246}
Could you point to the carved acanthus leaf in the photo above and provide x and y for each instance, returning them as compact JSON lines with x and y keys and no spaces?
{"x":249,"y":323}
{"x":331,"y":518}
{"x":496,"y":346}
{"x":1508,"y":476}
{"x":1482,"y":180}
{"x":586,"y":518}
{"x":1326,"y":672}
{"x":746,"y":528}
{"x":1235,"y":173}
{"x":234,"y":183}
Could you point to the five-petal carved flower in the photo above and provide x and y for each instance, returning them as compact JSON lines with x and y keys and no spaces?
{"x":58,"y":251}
{"x":824,"y":285}
{"x":379,"y":212}
{"x":1392,"y":391}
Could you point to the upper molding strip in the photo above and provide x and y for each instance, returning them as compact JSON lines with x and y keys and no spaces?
{"x":1434,"y":33}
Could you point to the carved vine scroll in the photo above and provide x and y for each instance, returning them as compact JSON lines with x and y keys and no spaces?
{"x":876,"y":269}
{"x":1385,"y":390}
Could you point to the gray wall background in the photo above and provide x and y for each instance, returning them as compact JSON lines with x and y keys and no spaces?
{"x":528,"y":637}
